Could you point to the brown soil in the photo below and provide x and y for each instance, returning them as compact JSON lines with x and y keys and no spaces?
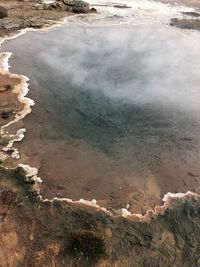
{"x":37,"y":233}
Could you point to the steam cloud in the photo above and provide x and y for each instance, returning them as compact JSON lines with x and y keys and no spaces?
{"x":140,"y":65}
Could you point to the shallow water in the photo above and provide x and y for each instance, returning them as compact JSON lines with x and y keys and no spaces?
{"x":131,"y":94}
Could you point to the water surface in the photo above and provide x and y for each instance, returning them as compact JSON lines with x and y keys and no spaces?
{"x":117,"y":111}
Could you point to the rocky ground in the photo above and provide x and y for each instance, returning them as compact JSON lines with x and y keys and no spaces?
{"x":33,"y":14}
{"x":58,"y":233}
{"x":192,"y":22}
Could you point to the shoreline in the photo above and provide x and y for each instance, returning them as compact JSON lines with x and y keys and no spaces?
{"x":21,"y":90}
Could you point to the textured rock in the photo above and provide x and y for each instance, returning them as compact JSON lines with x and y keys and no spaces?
{"x":3,"y":12}
{"x":188,"y":24}
{"x":76,"y":6}
{"x":81,"y":7}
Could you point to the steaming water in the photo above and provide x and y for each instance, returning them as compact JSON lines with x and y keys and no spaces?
{"x":131,"y":92}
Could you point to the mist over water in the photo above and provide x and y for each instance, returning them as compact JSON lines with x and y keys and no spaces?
{"x":143,"y":66}
{"x":131,"y":92}
{"x":114,"y":77}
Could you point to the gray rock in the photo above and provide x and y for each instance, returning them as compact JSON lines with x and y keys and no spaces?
{"x":37,"y":24}
{"x":93,"y":10}
{"x":77,"y":6}
{"x":193,"y":24}
{"x":121,"y":6}
{"x":191,"y":14}
{"x":81,"y":7}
